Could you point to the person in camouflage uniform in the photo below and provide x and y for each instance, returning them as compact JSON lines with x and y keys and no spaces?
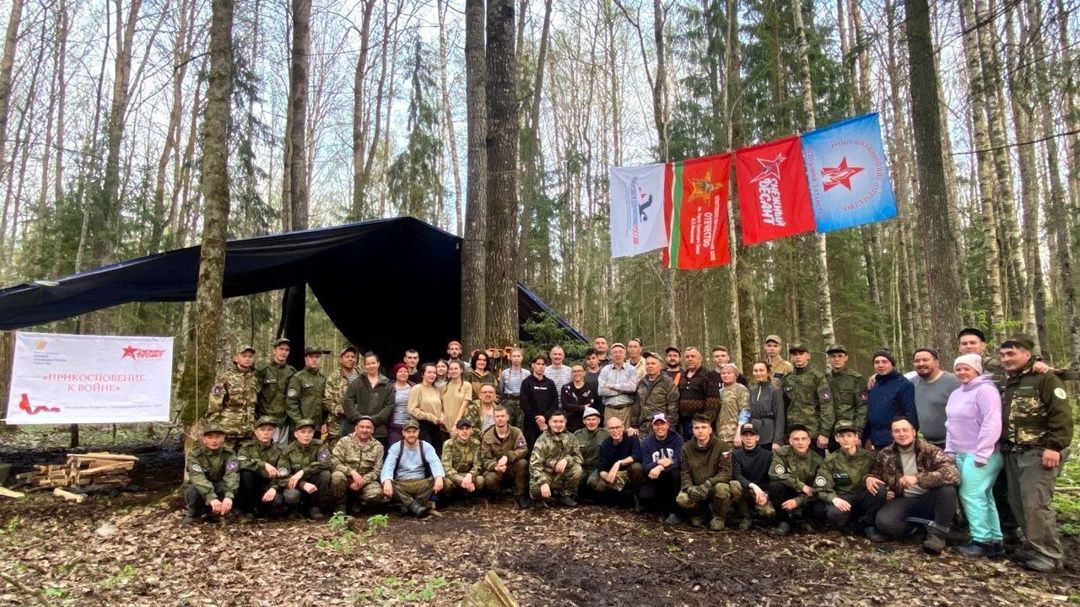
{"x":259,"y":471}
{"x":555,"y":463}
{"x":779,"y":366}
{"x":272,"y":378}
{"x":734,"y":407}
{"x":840,"y":486}
{"x":232,"y":399}
{"x":307,"y":462}
{"x":304,"y":396}
{"x":334,"y":394}
{"x":356,"y":461}
{"x":461,"y":461}
{"x":849,"y":393}
{"x":808,"y":399}
{"x":504,"y":457}
{"x":791,"y":479}
{"x":1037,"y":429}
{"x":655,"y":394}
{"x":706,"y":477}
{"x":213,"y":474}
{"x":590,"y":438}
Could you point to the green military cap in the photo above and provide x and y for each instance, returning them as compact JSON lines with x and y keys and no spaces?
{"x":309,"y":350}
{"x":213,"y":428}
{"x":281,"y":340}
{"x":796,"y":347}
{"x":412,"y":423}
{"x":1019,"y":341}
{"x":349,"y":348}
{"x":303,"y":423}
{"x":836,"y":348}
{"x":775,"y":338}
{"x":245,"y":349}
{"x":844,"y":426}
{"x":265,"y":420}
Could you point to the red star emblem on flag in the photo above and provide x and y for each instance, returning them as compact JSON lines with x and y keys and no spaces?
{"x":840,"y":174}
{"x":769,"y":168}
{"x":129,"y":352}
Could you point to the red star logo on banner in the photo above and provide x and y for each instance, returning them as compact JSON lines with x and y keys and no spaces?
{"x":840,"y":174}
{"x":129,"y":352}
{"x":769,"y":168}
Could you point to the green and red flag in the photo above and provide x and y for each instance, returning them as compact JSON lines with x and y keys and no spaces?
{"x":696,"y":209}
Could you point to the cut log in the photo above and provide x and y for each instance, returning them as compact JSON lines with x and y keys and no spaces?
{"x":73,"y":497}
{"x":4,"y":491}
{"x":112,"y":456}
{"x":489,"y":592}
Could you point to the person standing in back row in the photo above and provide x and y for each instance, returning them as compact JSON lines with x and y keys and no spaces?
{"x":892,"y":396}
{"x":539,"y":398}
{"x":808,"y":399}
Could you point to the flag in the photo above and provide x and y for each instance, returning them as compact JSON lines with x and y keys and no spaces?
{"x":773,"y":197}
{"x":637,"y":209}
{"x":848,"y":175}
{"x":698,"y":216}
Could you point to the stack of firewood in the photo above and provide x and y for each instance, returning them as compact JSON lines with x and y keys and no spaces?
{"x":82,"y":469}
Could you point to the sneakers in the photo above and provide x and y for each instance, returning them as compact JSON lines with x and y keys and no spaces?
{"x":716,"y":524}
{"x":972,"y":549}
{"x":746,"y":523}
{"x":872,"y":534}
{"x":783,"y":528}
{"x":934,"y":543}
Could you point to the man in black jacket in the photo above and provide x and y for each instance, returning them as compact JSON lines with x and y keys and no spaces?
{"x":750,"y":478}
{"x":539,"y":397}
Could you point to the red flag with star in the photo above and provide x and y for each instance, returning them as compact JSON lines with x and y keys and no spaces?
{"x":774,"y":198}
{"x":697,"y":213}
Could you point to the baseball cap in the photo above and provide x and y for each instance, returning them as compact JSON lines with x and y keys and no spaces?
{"x":748,"y":428}
{"x":836,"y":348}
{"x":265,"y":420}
{"x":775,"y":338}
{"x":463,"y":423}
{"x":589,"y":411}
{"x":659,"y":417}
{"x":412,"y":423}
{"x":281,"y":340}
{"x":245,"y":349}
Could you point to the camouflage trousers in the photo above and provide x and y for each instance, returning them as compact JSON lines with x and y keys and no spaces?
{"x":718,"y":497}
{"x":566,"y":483}
{"x":516,"y":472}
{"x":450,"y":486}
{"x":370,"y":493}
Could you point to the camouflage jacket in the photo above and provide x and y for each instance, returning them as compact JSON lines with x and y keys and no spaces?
{"x":849,"y":396}
{"x":652,"y":397}
{"x":304,"y":398}
{"x":461,"y":458}
{"x":365,"y":458}
{"x":492,"y":448}
{"x":232,"y":400}
{"x":207,"y":468}
{"x":794,"y":470}
{"x":780,"y":368}
{"x":548,"y":450}
{"x":253,"y":454}
{"x":934,"y":467}
{"x":333,"y":399}
{"x":1036,"y":411}
{"x":312,"y":458}
{"x":842,"y":475}
{"x":734,"y":410}
{"x":273,"y":380}
{"x":808,"y":401}
{"x":589,"y":441}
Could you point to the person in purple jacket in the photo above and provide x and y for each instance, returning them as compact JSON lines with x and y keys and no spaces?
{"x":972,"y":432}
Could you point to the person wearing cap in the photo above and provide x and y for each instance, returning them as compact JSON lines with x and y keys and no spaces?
{"x":504,"y":457}
{"x":356,"y":461}
{"x":539,"y":398}
{"x":693,"y":392}
{"x":892,"y":396}
{"x":259,"y":471}
{"x":734,"y":407}
{"x":577,"y":396}
{"x":634,"y":356}
{"x":849,"y":392}
{"x":618,"y":385}
{"x":555,"y":472}
{"x":661,"y":458}
{"x":461,"y":461}
{"x":780,"y":367}
{"x":673,"y":364}
{"x":412,"y":471}
{"x":233,"y":397}
{"x":808,"y":400}
{"x":213,"y":477}
{"x":307,"y":461}
{"x":766,"y":407}
{"x":272,"y":378}
{"x":705,"y":477}
{"x":933,"y":386}
{"x":840,"y":486}
{"x":618,"y":465}
{"x":425,"y":407}
{"x":750,"y":465}
{"x":371,"y":395}
{"x":304,"y":396}
{"x":655,"y":394}
{"x":589,"y":438}
{"x":973,"y":429}
{"x":453,"y":352}
{"x":558,"y":371}
{"x":791,"y":479}
{"x":919,"y":481}
{"x":1037,"y":426}
{"x":510,"y":387}
{"x":337,"y":384}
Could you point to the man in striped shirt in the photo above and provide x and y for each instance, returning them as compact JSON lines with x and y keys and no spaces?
{"x":412,"y":471}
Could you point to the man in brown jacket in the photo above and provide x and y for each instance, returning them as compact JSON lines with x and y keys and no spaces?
{"x":504,"y":458}
{"x":706,"y":472}
{"x":655,"y":394}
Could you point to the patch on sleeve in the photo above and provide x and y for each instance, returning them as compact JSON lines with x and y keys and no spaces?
{"x":292,"y":392}
{"x":196,"y":468}
{"x":779,"y":469}
{"x":240,"y":457}
{"x":1060,"y":393}
{"x":819,"y":481}
{"x":826,"y":394}
{"x":218,"y":390}
{"x":283,"y":471}
{"x":232,"y":466}
{"x":520,"y":442}
{"x":323,"y":455}
{"x":864,"y":396}
{"x":270,"y":380}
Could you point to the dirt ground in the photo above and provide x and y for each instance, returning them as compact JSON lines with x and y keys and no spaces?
{"x":128,"y":549}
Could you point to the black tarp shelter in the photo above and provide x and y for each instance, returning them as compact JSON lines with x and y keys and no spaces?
{"x":387,"y":284}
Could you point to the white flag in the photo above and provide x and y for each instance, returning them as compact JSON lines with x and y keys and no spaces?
{"x":637,"y":209}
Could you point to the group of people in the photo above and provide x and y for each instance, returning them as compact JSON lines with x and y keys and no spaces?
{"x":792,"y":446}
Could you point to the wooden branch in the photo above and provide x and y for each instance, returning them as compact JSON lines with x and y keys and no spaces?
{"x":4,"y":491}
{"x":71,"y":497}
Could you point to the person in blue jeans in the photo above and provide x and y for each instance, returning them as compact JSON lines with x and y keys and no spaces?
{"x":972,"y":432}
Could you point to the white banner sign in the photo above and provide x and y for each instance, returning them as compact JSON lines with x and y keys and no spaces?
{"x":89,"y":379}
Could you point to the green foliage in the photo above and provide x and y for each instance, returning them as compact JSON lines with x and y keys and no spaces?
{"x":414,"y":181}
{"x":541,"y":333}
{"x":395,"y":589}
{"x":346,"y":540}
{"x":11,"y":526}
{"x":121,"y":578}
{"x":1067,"y":504}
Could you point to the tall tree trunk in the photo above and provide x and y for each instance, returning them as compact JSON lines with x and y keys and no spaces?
{"x":502,"y":183}
{"x":448,"y":118}
{"x":938,"y":246}
{"x":532,"y":161}
{"x":473,"y":267}
{"x":7,"y":64}
{"x":732,"y":96}
{"x":360,"y":178}
{"x":300,"y":60}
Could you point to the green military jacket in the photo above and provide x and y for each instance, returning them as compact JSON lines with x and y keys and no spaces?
{"x":734,"y":405}
{"x":461,"y":458}
{"x":207,"y":468}
{"x":365,"y":458}
{"x":1036,"y":411}
{"x":232,"y":400}
{"x":794,"y":470}
{"x":842,"y":475}
{"x":252,"y":456}
{"x":312,"y":458}
{"x":492,"y":448}
{"x":808,"y":401}
{"x":334,"y":399}
{"x":657,"y":396}
{"x":272,"y":381}
{"x":548,"y":450}
{"x":849,"y":396}
{"x":304,"y":397}
{"x":589,"y":441}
